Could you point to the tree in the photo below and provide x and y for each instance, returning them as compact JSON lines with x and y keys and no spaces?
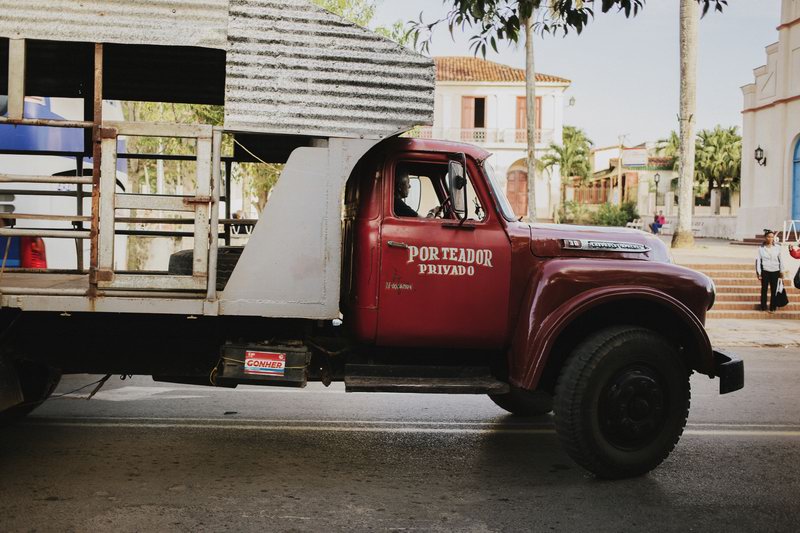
{"x":502,"y":20}
{"x":530,"y":116}
{"x":683,"y":236}
{"x":571,"y":156}
{"x":670,"y":147}
{"x":718,"y":161}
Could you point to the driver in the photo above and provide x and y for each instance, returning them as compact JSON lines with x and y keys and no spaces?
{"x":401,"y":190}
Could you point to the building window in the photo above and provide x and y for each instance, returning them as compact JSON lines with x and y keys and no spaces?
{"x":473,"y":112}
{"x":522,"y":118}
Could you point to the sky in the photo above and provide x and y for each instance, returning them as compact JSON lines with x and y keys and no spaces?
{"x":625,"y":72}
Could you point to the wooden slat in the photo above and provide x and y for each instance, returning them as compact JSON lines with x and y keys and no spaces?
{"x":26,"y":216}
{"x":15,"y":178}
{"x":216,"y":156}
{"x":108,"y":180}
{"x":36,"y":232}
{"x":153,"y":202}
{"x":201,"y":222}
{"x":16,"y":78}
{"x":155,"y":282}
{"x":56,"y":123}
{"x":160,"y":129}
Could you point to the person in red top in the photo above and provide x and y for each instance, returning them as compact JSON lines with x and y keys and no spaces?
{"x":794,"y":252}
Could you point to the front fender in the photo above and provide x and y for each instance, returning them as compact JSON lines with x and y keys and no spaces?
{"x":562,"y":291}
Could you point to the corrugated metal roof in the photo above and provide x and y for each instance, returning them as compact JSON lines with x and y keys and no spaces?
{"x":291,"y":67}
{"x":296,"y":68}
{"x":165,"y":22}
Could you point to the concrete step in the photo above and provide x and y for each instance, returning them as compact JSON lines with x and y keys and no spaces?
{"x":738,"y":296}
{"x":746,"y":282}
{"x":728,"y":274}
{"x":702,"y":267}
{"x":779,"y":315}
{"x":749,"y":306}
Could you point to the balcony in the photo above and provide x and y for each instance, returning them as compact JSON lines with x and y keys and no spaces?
{"x":484,"y":136}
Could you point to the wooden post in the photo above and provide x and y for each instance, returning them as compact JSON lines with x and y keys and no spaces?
{"x":96,"y":161}
{"x":16,"y":78}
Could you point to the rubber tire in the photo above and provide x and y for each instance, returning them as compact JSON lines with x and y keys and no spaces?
{"x":37,"y":382}
{"x":520,"y":402}
{"x":591,"y":365}
{"x":180,"y":263}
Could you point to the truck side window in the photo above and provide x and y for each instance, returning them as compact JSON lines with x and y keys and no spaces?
{"x":415,"y":192}
{"x":475,"y":210}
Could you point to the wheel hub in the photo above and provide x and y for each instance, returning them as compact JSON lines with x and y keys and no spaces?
{"x":632,"y":408}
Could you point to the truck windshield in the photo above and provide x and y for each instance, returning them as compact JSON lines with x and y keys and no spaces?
{"x":497,"y":192}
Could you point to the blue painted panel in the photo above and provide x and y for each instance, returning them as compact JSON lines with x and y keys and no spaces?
{"x":46,"y":138}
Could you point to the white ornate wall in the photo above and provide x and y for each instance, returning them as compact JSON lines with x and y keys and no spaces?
{"x":771,"y":120}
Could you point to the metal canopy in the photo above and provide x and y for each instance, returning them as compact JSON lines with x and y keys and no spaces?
{"x":279,"y":66}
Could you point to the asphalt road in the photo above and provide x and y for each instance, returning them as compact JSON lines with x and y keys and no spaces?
{"x":145,"y":456}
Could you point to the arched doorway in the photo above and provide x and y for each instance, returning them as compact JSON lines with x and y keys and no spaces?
{"x":517,"y":187}
{"x":796,"y":182}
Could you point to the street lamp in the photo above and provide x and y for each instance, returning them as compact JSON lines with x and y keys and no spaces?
{"x":572,"y":101}
{"x":656,"y":179}
{"x":761,"y":159}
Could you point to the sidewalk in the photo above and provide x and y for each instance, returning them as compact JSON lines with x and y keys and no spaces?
{"x":726,"y":332}
{"x":707,"y":251}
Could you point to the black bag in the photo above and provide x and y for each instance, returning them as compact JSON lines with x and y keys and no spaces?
{"x":781,"y":299}
{"x":797,"y":279}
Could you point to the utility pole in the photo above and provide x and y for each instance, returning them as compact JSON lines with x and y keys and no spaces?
{"x":530,"y":114}
{"x":620,"y":147}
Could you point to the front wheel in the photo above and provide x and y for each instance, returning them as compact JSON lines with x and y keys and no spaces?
{"x":622,"y":401}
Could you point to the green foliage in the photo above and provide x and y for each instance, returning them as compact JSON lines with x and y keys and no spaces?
{"x":572,"y":156}
{"x":572,"y":212}
{"x":630,"y":210}
{"x":502,"y":20}
{"x":361,"y":12}
{"x":718,"y":156}
{"x":718,"y":159}
{"x":613,"y":215}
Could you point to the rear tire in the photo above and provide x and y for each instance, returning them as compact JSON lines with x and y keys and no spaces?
{"x":180,"y":263}
{"x":520,"y":402}
{"x":622,"y":401}
{"x":37,"y":382}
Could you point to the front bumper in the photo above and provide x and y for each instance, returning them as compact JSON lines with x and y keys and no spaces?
{"x":729,"y":370}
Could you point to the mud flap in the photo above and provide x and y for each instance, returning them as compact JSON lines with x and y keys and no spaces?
{"x":10,"y":391}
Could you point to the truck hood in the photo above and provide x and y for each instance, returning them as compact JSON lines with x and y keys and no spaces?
{"x":561,"y":240}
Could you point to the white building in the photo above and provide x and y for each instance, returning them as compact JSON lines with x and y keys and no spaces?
{"x":771,"y":116}
{"x":483,"y":103}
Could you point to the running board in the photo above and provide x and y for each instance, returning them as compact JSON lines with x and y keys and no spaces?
{"x":421,"y":379}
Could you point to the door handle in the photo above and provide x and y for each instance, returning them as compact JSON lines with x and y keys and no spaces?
{"x":395,"y":244}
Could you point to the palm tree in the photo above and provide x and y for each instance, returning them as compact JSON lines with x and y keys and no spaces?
{"x":689,"y":18}
{"x":530,"y":111}
{"x":572,"y":156}
{"x":719,"y":160}
{"x":670,"y":147}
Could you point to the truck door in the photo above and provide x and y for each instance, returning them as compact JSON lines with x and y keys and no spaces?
{"x":442,"y":283}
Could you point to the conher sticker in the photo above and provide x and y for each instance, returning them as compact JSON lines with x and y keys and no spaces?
{"x":461,"y":261}
{"x":264,"y":363}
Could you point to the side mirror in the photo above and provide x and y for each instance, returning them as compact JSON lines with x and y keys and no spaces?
{"x":458,"y":188}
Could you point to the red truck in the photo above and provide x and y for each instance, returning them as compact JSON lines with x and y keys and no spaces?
{"x":597,"y":325}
